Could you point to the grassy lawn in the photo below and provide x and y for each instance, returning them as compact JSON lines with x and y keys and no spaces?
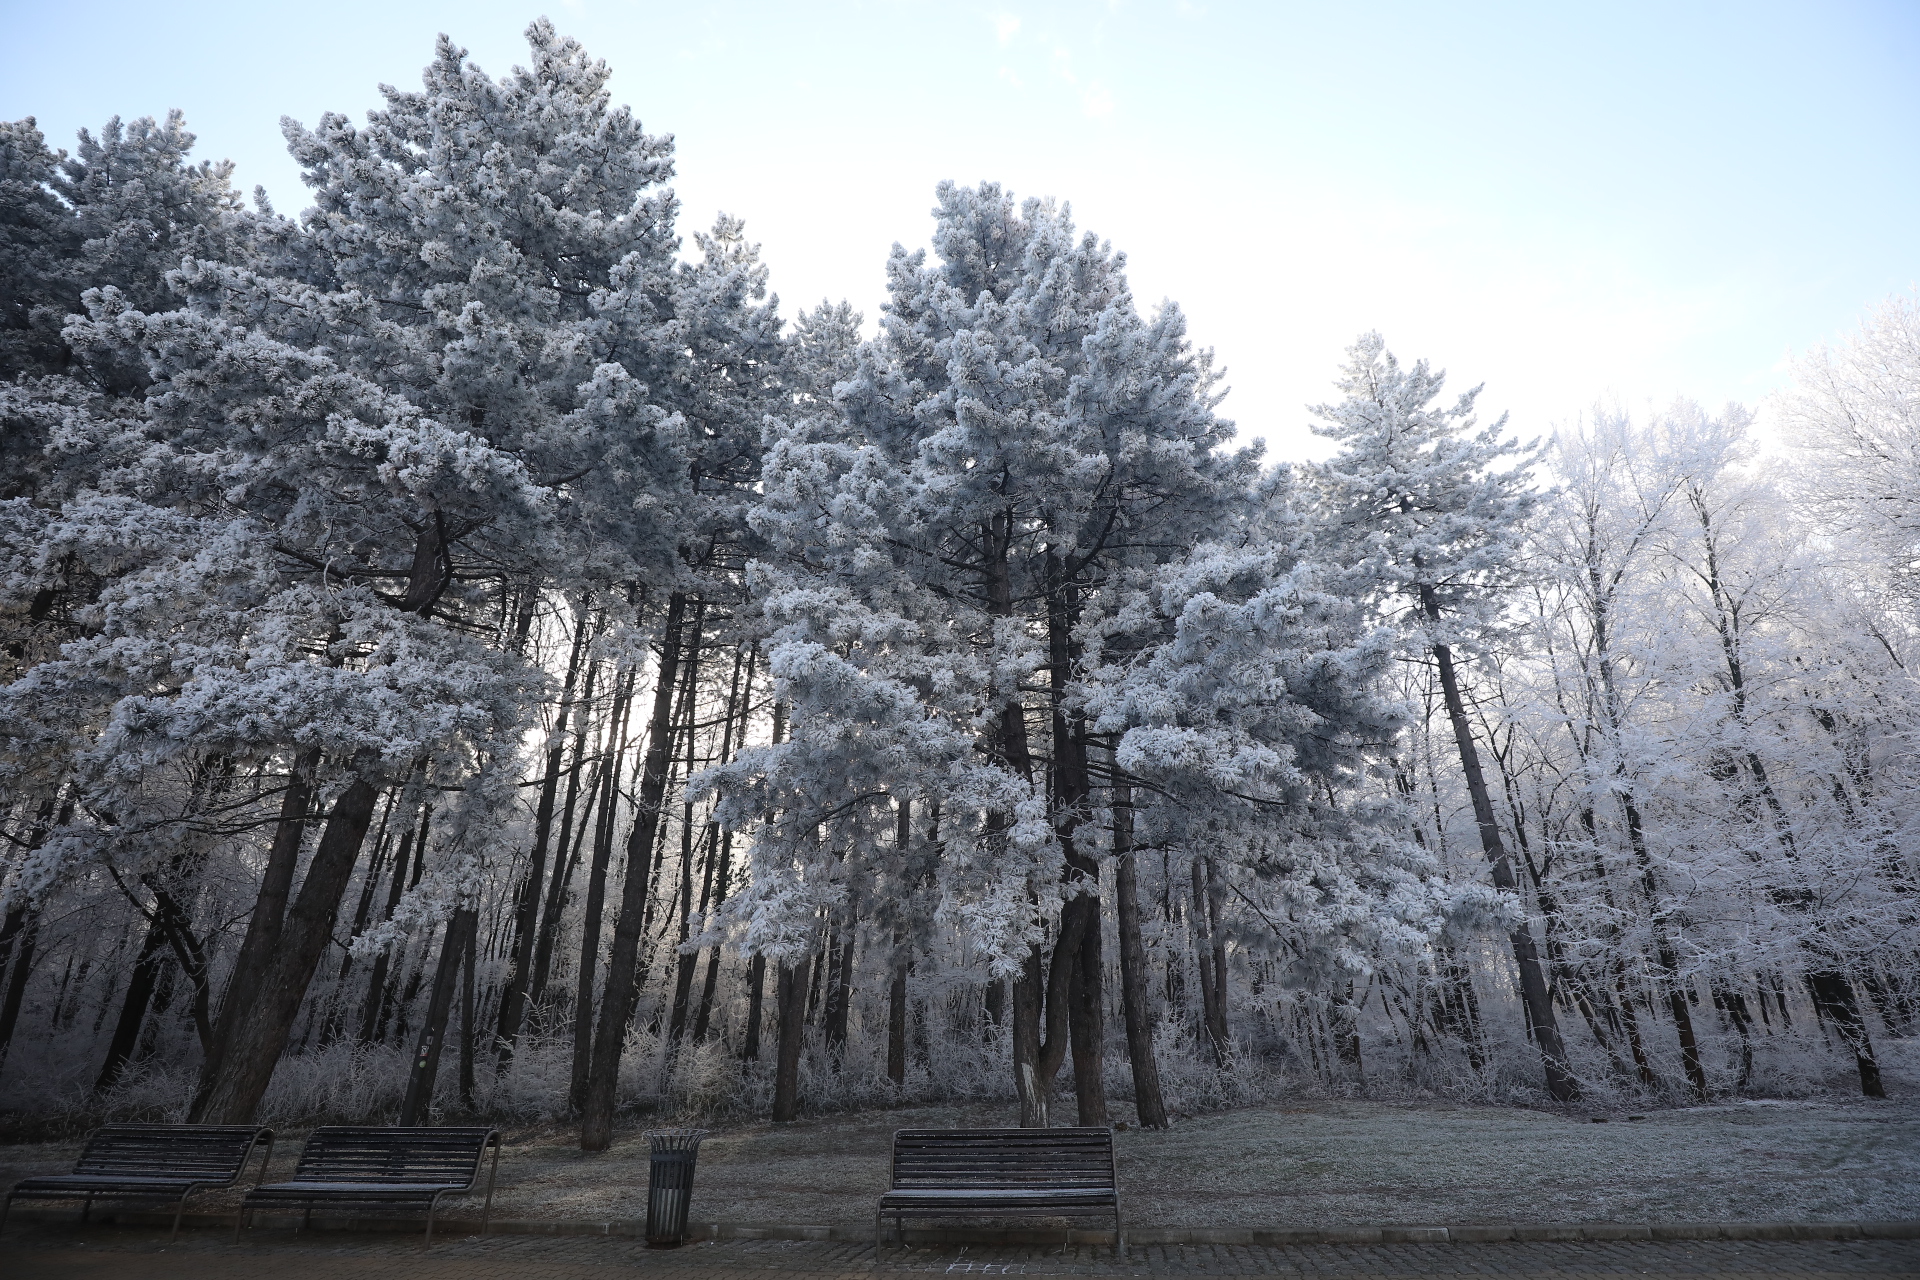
{"x":1344,"y":1163}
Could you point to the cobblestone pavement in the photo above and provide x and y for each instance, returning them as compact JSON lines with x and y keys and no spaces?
{"x":119,"y":1253}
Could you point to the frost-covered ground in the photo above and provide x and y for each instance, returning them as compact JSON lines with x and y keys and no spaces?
{"x":1322,"y":1164}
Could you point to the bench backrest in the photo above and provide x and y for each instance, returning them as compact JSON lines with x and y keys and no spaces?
{"x":343,"y":1153}
{"x":1002,"y":1158}
{"x":205,"y":1152}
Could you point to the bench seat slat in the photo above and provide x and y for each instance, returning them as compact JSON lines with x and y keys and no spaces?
{"x":147,"y":1161}
{"x":357,"y":1167}
{"x":1054,"y":1172}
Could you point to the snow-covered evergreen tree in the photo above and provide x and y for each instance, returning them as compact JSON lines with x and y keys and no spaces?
{"x":1426,"y":512}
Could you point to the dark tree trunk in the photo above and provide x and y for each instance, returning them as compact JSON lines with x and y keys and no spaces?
{"x":622,"y":990}
{"x":1147,"y":1096}
{"x":567,"y":852}
{"x":260,"y":1031}
{"x":1087,"y":1021}
{"x":596,"y":898}
{"x":243,"y":993}
{"x":900,"y":961}
{"x":433,"y":1033}
{"x":526,"y":911}
{"x":362,"y":914}
{"x":897,"y":1014}
{"x":1561,"y":1085}
{"x":468,"y":1013}
{"x":18,"y":971}
{"x":756,"y":996}
{"x":685,"y":960}
{"x":1209,"y":959}
{"x":1665,"y":956}
{"x":840,"y":990}
{"x":790,"y":998}
{"x":1072,"y":799}
{"x":1833,"y":996}
{"x":373,"y":1015}
{"x":713,"y":884}
{"x":133,"y":1008}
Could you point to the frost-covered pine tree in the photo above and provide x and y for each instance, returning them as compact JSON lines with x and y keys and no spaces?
{"x":1426,"y":512}
{"x":356,"y":446}
{"x":986,"y":542}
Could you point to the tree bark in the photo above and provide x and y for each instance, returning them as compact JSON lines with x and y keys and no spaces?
{"x":596,"y":897}
{"x":567,"y":853}
{"x":133,"y":1008}
{"x":756,"y":996}
{"x":899,"y":962}
{"x":260,"y":1030}
{"x":526,"y":913}
{"x":840,"y":988}
{"x":622,"y":989}
{"x":372,"y":1013}
{"x":418,"y":1102}
{"x":264,"y":926}
{"x":18,"y":971}
{"x":1665,"y":955}
{"x":1147,"y":1096}
{"x":791,"y":1001}
{"x":1561,"y":1085}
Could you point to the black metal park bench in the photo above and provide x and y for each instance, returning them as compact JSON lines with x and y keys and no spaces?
{"x":150,"y":1162}
{"x":940,"y":1173}
{"x":367,"y":1169}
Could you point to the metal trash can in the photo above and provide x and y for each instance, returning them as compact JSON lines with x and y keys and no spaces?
{"x":670,"y":1184}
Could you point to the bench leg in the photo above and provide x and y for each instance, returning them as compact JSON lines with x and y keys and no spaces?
{"x":486,"y":1212}
{"x":177,"y":1211}
{"x":6,"y":1208}
{"x":239,"y":1222}
{"x":1119,"y":1236}
{"x":431,"y":1205}
{"x":86,"y":1210}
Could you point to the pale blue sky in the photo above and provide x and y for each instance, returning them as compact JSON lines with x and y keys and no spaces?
{"x":1562,"y":201}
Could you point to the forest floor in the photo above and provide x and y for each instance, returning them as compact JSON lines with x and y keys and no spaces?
{"x":1318,"y":1164}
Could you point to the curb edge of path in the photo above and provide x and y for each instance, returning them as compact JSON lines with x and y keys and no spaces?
{"x":705,"y":1231}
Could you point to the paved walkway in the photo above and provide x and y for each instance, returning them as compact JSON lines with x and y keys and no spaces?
{"x":121,"y":1253}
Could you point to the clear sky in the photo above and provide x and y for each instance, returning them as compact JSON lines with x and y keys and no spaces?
{"x":1564,"y":201}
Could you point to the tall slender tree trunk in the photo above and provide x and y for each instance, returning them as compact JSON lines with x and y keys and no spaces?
{"x":1007,"y":743}
{"x":1210,"y":960}
{"x":19,"y":970}
{"x":715,"y":865}
{"x":133,"y":1007}
{"x":622,"y":989}
{"x":259,"y":1032}
{"x":1147,"y":1097}
{"x":756,"y":997}
{"x":1072,"y":800}
{"x":900,"y":960}
{"x":596,"y":896}
{"x":567,"y":852}
{"x":1561,"y":1085}
{"x":468,"y":1014}
{"x":790,"y":997}
{"x":331,"y":1030}
{"x":433,"y":1033}
{"x":526,"y":913}
{"x":840,"y":987}
{"x":373,"y":1013}
{"x":1665,"y":955}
